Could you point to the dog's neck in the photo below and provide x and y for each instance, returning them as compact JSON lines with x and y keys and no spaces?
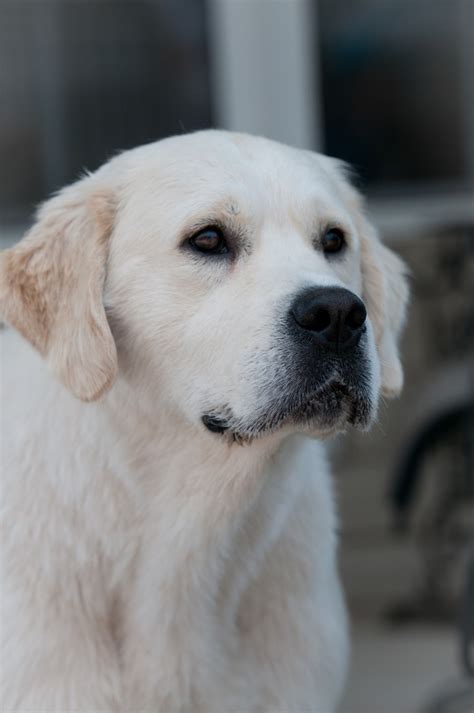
{"x":198,"y":490}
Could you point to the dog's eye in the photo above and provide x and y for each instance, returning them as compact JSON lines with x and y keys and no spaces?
{"x":210,"y":241}
{"x":333,"y":241}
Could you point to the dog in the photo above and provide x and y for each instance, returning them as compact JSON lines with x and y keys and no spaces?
{"x":190,"y":323}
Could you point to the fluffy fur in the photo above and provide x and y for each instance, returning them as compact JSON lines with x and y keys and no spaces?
{"x":147,"y":563}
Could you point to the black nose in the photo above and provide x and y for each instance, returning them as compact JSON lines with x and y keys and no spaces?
{"x":334,"y":316}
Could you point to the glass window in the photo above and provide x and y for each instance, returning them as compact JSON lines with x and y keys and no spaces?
{"x":392,"y":84}
{"x":82,"y":80}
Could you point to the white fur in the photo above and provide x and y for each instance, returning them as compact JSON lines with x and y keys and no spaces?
{"x":147,"y":564}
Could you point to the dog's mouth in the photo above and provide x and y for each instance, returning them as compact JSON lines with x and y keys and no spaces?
{"x":329,"y":409}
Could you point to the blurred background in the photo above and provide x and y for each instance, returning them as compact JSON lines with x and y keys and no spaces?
{"x":387,"y":85}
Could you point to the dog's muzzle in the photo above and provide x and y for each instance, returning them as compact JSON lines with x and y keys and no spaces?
{"x":318,"y":377}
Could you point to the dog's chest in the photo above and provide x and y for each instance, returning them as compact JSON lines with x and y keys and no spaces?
{"x":183,"y":617}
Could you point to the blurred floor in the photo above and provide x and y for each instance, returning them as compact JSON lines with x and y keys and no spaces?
{"x":398,"y":671}
{"x":393,"y":669}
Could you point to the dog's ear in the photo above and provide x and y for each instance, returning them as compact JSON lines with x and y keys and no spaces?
{"x":385,"y":292}
{"x":51,"y":286}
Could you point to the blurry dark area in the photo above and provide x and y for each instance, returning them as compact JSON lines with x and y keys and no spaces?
{"x":393,"y":95}
{"x":82,"y":80}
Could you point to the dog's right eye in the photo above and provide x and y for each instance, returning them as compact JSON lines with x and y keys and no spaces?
{"x":209,"y":241}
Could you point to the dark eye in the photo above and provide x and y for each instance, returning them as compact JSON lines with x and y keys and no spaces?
{"x":210,"y":241}
{"x":333,"y":241}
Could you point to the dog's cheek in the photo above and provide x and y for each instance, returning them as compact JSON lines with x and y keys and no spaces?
{"x":375,"y":376}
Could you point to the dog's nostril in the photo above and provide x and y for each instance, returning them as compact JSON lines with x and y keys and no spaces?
{"x":356,"y":317}
{"x":321,"y":320}
{"x":316,"y":320}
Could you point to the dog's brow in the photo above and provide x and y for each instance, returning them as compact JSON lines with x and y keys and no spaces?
{"x":233,"y":209}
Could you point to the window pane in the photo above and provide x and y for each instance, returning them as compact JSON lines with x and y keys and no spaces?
{"x":392,"y":88}
{"x":81,"y":80}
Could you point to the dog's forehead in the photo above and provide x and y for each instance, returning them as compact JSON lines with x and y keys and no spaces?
{"x":239,"y":171}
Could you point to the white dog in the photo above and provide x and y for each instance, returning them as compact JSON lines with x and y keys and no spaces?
{"x":196,"y":312}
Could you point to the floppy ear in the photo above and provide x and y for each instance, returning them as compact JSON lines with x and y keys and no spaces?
{"x":51,"y":288}
{"x":385,"y":292}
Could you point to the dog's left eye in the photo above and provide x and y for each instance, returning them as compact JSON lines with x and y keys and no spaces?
{"x":209,"y":241}
{"x":333,"y":241}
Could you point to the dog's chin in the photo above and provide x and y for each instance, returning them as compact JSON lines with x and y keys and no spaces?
{"x":328,"y":411}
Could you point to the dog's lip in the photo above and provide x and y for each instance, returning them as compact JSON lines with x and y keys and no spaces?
{"x":215,"y":424}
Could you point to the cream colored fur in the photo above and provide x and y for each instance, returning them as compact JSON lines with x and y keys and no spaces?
{"x":148,"y":564}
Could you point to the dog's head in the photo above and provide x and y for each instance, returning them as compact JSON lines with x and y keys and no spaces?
{"x":226,"y":277}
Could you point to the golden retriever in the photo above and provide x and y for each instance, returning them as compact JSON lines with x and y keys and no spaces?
{"x":195,"y":317}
